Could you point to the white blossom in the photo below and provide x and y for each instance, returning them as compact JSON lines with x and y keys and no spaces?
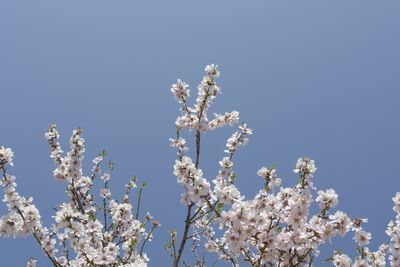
{"x":6,"y":156}
{"x":305,"y":166}
{"x":327,"y":199}
{"x":31,"y":263}
{"x":342,"y":260}
{"x":180,"y":91}
{"x":362,"y":238}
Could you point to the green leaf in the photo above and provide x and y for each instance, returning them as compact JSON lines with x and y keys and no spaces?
{"x":220,"y":206}
{"x":233,"y":177}
{"x":110,"y":165}
{"x":92,"y":216}
{"x":338,"y":251}
{"x":103,"y":153}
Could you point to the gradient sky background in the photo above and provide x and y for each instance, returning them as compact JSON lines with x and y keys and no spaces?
{"x":317,"y":78}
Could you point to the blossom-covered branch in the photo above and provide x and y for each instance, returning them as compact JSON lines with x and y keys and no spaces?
{"x":81,"y":235}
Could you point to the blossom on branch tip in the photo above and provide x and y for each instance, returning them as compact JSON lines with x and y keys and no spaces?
{"x":327,"y":199}
{"x":6,"y":156}
{"x":362,"y":237}
{"x":229,"y":118}
{"x":180,"y":91}
{"x":305,"y":166}
{"x":31,"y":263}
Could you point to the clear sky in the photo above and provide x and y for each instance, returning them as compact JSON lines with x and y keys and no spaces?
{"x":318,"y":78}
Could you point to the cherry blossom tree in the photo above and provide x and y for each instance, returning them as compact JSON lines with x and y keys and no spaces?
{"x":274,"y":228}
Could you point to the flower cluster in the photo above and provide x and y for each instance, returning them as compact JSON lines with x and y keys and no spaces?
{"x":275,"y":228}
{"x":270,"y":177}
{"x":6,"y":156}
{"x":192,"y":179}
{"x":84,"y":233}
{"x":327,"y":199}
{"x":181,"y":91}
{"x":365,"y":256}
{"x":196,"y":117}
{"x":230,"y":118}
{"x":22,"y":217}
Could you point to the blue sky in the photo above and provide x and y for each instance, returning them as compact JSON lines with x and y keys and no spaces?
{"x":317,"y":78}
